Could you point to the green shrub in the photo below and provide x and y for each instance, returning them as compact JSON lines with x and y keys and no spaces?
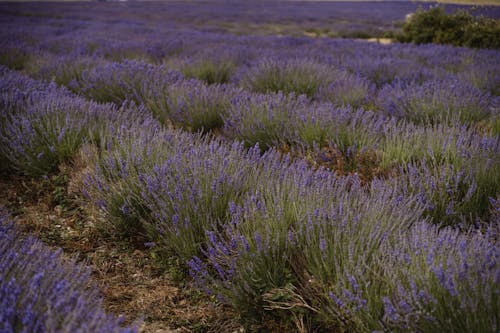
{"x":459,"y":29}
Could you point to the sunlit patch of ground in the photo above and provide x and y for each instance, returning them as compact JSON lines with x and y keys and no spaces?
{"x":384,"y":41}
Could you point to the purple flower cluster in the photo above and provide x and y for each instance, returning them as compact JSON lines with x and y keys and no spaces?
{"x":118,"y":81}
{"x":263,"y":119}
{"x":439,"y":270}
{"x":311,"y":229}
{"x":436,"y":101}
{"x":40,"y":127}
{"x":65,"y":70}
{"x":299,"y":76}
{"x":44,"y":125}
{"x":40,"y":291}
{"x":192,"y":104}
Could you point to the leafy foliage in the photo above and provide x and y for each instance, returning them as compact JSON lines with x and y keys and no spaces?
{"x":459,"y":29}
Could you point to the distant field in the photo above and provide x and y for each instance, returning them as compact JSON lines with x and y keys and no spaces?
{"x":318,"y":18}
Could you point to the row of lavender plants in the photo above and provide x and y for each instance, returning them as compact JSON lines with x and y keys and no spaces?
{"x":270,"y":236}
{"x":222,"y":59}
{"x":417,"y":99}
{"x":203,"y":52}
{"x":42,"y":125}
{"x":41,"y":291}
{"x":405,"y":81}
{"x":451,"y":139}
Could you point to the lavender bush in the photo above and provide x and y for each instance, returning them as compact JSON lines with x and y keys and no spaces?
{"x":263,"y":119}
{"x":40,"y":129}
{"x":384,"y":70}
{"x":481,"y":71}
{"x":112,"y":183}
{"x":457,"y":171}
{"x":116,"y":82}
{"x":450,"y":196}
{"x":44,"y":125}
{"x":443,"y":101}
{"x":193,"y":105}
{"x":357,"y":263}
{"x":289,"y":76}
{"x":448,"y":281}
{"x":63,"y":70}
{"x":167,"y":184}
{"x":345,"y":128}
{"x":209,"y":71}
{"x":298,"y":240}
{"x":406,"y":143}
{"x":40,"y":291}
{"x":347,"y":89}
{"x":192,"y":189}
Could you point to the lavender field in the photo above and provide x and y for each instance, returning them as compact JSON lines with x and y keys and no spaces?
{"x":257,"y":164}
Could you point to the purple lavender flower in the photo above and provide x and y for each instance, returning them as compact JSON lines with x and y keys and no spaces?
{"x":40,"y":291}
{"x":436,"y":101}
